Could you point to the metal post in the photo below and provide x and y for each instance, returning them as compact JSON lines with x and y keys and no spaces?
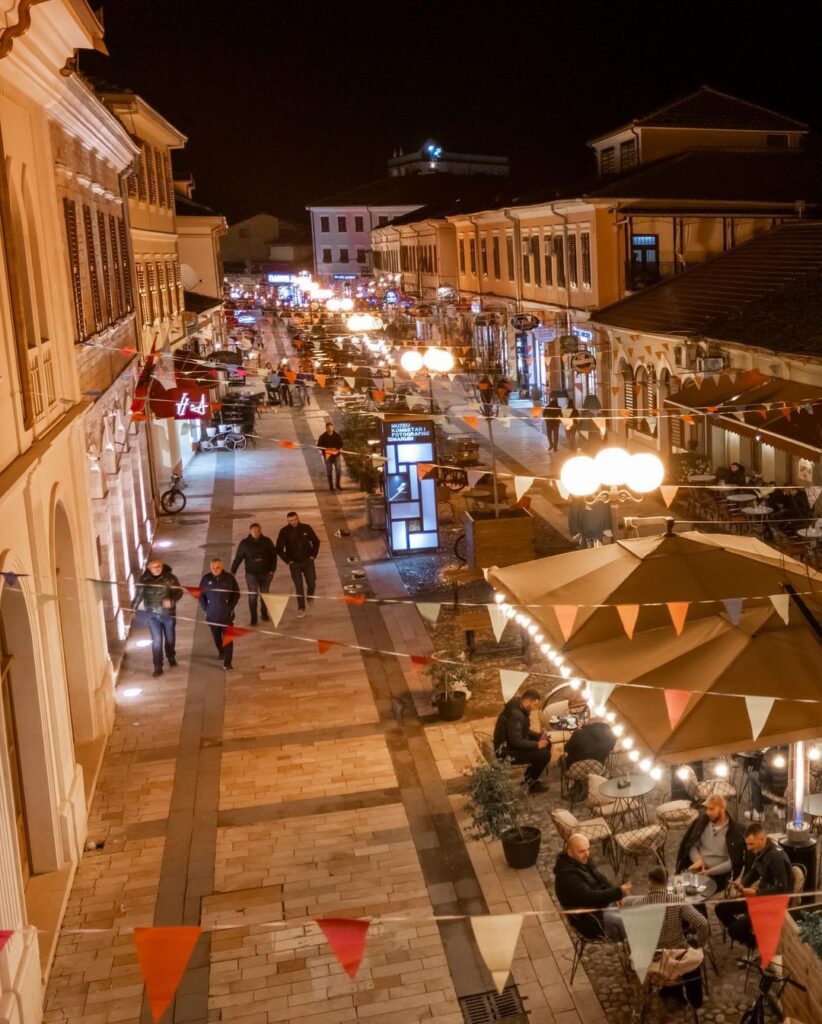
{"x":490,"y":421}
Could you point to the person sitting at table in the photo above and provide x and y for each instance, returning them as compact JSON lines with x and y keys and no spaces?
{"x":770,"y":773}
{"x":767,"y":872}
{"x":515,"y":741}
{"x":593,"y":741}
{"x":579,"y":884}
{"x":736,"y":474}
{"x":679,"y":918}
{"x":713,"y":844}
{"x":789,"y":503}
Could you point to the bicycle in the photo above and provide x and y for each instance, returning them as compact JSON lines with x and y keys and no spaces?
{"x":228,"y":436}
{"x":173,"y":500}
{"x":768,"y":979}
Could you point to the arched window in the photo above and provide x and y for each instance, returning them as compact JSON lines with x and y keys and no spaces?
{"x":629,"y":394}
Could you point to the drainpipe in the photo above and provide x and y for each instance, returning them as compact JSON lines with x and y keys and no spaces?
{"x":416,"y":234}
{"x":517,"y":256}
{"x":564,"y":218}
{"x":478,"y":256}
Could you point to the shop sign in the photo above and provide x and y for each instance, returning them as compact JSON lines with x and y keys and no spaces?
{"x":568,"y":343}
{"x":583,"y":362}
{"x":192,"y":404}
{"x":185,"y":402}
{"x":344,"y":277}
{"x":544,"y":335}
{"x":582,"y":333}
{"x":524,"y":322}
{"x":246,"y":318}
{"x":391,"y":297}
{"x":280,"y":278}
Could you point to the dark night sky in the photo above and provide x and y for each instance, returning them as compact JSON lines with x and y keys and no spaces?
{"x":287,"y":102}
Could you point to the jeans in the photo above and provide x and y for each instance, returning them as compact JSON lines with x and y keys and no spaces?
{"x":332,"y":464}
{"x":257,"y":583}
{"x":298,"y":571}
{"x":163,"y":629}
{"x":552,"y":430}
{"x":537,"y":760}
{"x":612,"y":924}
{"x":226,"y":653}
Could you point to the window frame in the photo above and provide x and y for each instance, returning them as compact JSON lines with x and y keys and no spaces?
{"x":325,"y":224}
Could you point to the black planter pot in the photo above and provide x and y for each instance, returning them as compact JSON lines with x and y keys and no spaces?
{"x":450,"y":708}
{"x":521,"y":852}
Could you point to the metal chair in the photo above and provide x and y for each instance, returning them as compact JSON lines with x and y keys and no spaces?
{"x":573,"y":781}
{"x":581,"y":941}
{"x":640,"y":842}
{"x":718,"y":787}
{"x":595,"y":830}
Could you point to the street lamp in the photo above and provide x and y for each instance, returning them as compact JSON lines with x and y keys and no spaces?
{"x":613,"y":476}
{"x":435,"y":360}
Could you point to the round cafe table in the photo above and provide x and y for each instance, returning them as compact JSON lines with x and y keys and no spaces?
{"x":628,"y":801}
{"x":704,"y":883}
{"x":701,"y":478}
{"x":740,"y":497}
{"x":813,"y":805}
{"x":757,"y":514}
{"x":810,"y":533}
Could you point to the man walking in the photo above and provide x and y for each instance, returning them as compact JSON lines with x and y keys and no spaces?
{"x":297,"y":545}
{"x":515,"y":740}
{"x":552,"y":414}
{"x":260,"y":557}
{"x":159,"y":591}
{"x":331,"y":444}
{"x":218,"y":599}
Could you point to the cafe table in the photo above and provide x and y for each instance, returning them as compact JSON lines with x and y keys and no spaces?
{"x":628,"y":800}
{"x":701,"y":478}
{"x":740,"y":497}
{"x":810,"y":533}
{"x":757,"y":514}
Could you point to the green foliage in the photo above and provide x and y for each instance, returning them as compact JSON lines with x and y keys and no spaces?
{"x":449,"y":674}
{"x":356,"y":430}
{"x":497,"y":801}
{"x":810,"y":931}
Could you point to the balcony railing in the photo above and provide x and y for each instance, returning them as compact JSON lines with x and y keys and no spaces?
{"x":641,"y":275}
{"x":41,"y":377}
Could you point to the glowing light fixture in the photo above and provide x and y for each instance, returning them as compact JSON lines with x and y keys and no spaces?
{"x":412,"y":360}
{"x":132,"y":691}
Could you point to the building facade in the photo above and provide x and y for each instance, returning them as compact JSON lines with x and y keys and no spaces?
{"x":61,"y":152}
{"x":199,"y":234}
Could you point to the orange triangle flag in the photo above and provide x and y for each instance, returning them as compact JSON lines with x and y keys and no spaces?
{"x":423,"y":469}
{"x":163,"y":954}
{"x":324,"y":646}
{"x":346,"y":937}
{"x":628,"y":613}
{"x":678,"y":611}
{"x":352,"y":598}
{"x":195,"y":592}
{"x":472,"y":421}
{"x":379,"y":396}
{"x":320,"y":378}
{"x":668,"y":493}
{"x":288,"y":444}
{"x":291,"y":376}
{"x":615,"y":389}
{"x":232,"y":633}
{"x":676,"y":701}
{"x":566,"y":616}
{"x":536,"y":412}
{"x":767,"y":914}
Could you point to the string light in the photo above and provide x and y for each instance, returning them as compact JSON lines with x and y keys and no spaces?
{"x":627,"y":742}
{"x":721,"y":770}
{"x":682,"y":772}
{"x":499,"y":597}
{"x":645,"y":764}
{"x":633,"y":754}
{"x":656,"y":773}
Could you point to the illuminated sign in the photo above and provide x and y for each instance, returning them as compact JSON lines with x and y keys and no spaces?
{"x":524,"y":322}
{"x":246,"y":318}
{"x":582,"y":334}
{"x":185,"y":408}
{"x":280,"y":278}
{"x":411,"y":503}
{"x":391,"y":296}
{"x":344,"y":277}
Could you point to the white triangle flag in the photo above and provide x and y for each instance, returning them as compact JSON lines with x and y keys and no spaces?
{"x":499,"y":620}
{"x":521,"y":485}
{"x":651,"y":421}
{"x":758,"y":710}
{"x":564,"y":493}
{"x":164,"y":375}
{"x":497,"y":936}
{"x":275,"y":605}
{"x":474,"y":476}
{"x":782,"y":603}
{"x":429,"y":611}
{"x":504,"y":421}
{"x":601,"y":692}
{"x":642,"y":927}
{"x":350,"y":381}
{"x":601,"y":424}
{"x":668,"y":493}
{"x":511,"y":682}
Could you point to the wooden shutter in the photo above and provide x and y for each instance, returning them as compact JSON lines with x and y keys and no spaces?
{"x":142,"y":291}
{"x":151,"y":291}
{"x":124,"y":263}
{"x":173,"y":297}
{"x":152,"y":174}
{"x":73,"y":243}
{"x":161,"y":291}
{"x":629,"y":392}
{"x":131,"y":184}
{"x":91,"y":260}
{"x":169,"y":177}
{"x":116,"y":265}
{"x":107,"y":288}
{"x":142,"y":175}
{"x":162,"y":191}
{"x":178,"y":283}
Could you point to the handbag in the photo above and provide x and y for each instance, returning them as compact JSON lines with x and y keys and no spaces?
{"x":678,"y":972}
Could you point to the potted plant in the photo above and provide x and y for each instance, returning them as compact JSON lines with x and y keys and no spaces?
{"x":500,"y":807}
{"x":356,"y":432}
{"x":449,"y":684}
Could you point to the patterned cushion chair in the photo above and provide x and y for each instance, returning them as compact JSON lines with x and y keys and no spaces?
{"x":602,"y":806}
{"x":719,"y":787}
{"x":595,"y":830}
{"x":676,"y":814}
{"x":640,"y":842}
{"x":574,"y":780}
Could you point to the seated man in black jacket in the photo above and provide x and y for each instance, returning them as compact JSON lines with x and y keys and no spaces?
{"x":515,"y":741}
{"x":767,"y":873}
{"x":579,"y":884}
{"x":593,"y":741}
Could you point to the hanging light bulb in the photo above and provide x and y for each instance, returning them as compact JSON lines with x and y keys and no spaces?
{"x":532,"y":629}
{"x":538,"y":639}
{"x":656,"y":773}
{"x":599,"y":710}
{"x":721,"y":770}
{"x":627,"y":742}
{"x":645,"y":764}
{"x":779,"y":761}
{"x":633,"y":755}
{"x":610,"y":717}
{"x":682,"y":772}
{"x":814,"y":754}
{"x":574,"y":684}
{"x":499,"y":597}
{"x":618,"y":729}
{"x":520,"y":619}
{"x":545,"y":648}
{"x":565,"y":671}
{"x":511,"y":613}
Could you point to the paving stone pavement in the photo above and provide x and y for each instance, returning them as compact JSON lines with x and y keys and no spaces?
{"x":297,"y":785}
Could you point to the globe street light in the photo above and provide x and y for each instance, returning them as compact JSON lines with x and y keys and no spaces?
{"x":434,"y":359}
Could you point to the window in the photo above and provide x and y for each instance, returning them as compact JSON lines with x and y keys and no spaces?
{"x":166,"y":158}
{"x":342,"y":224}
{"x":173,"y":295}
{"x":73,"y":241}
{"x":108,"y":294}
{"x":472,"y":255}
{"x":152,"y":174}
{"x":643,"y":268}
{"x":325,"y":225}
{"x":495,"y":257}
{"x":326,"y":255}
{"x":536,"y":261}
{"x":159,"y":163}
{"x":526,"y":261}
{"x":151,"y":283}
{"x":509,"y":254}
{"x":572,"y":261}
{"x":117,"y":268}
{"x":91,"y":261}
{"x":776,"y":141}
{"x":142,"y":176}
{"x":162,"y":291}
{"x":131,"y":181}
{"x":627,"y":154}
{"x":343,"y":255}
{"x":362,"y":256}
{"x":484,"y":255}
{"x":142,"y":292}
{"x":559,"y":256}
{"x":462,"y":254}
{"x":124,"y":263}
{"x":548,"y":246}
{"x":359,"y":224}
{"x":178,"y":284}
{"x":607,"y":161}
{"x":585,"y":253}
{"x":382,"y":220}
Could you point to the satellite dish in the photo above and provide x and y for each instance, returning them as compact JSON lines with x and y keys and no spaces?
{"x":190,"y":277}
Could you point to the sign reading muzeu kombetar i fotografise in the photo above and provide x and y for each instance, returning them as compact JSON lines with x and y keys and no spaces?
{"x":411,"y":503}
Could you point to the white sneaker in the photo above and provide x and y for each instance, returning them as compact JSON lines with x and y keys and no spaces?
{"x":753,"y":815}
{"x":301,"y":613}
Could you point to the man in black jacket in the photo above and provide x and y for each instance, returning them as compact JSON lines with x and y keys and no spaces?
{"x":218,"y":599}
{"x":767,"y":872}
{"x":260,"y":557}
{"x":580,"y":884}
{"x":159,"y":591}
{"x":297,"y":545}
{"x":713,"y":844}
{"x":593,"y":741}
{"x":331,"y":444}
{"x":514,"y":739}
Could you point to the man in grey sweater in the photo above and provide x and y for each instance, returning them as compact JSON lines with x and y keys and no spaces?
{"x":714,"y":844}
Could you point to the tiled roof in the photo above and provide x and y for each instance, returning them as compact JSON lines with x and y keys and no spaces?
{"x":416,"y":190}
{"x":716,"y":175}
{"x":766,"y":292}
{"x":708,"y":108}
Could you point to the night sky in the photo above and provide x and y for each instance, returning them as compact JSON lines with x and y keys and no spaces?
{"x":288,"y":102}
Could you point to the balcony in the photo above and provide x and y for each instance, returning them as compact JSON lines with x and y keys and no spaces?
{"x":640,"y":275}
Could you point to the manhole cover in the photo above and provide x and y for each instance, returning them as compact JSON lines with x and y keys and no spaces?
{"x":491,"y":1006}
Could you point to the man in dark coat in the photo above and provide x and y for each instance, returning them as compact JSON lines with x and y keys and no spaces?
{"x":579,"y":883}
{"x":159,"y":591}
{"x":593,"y":741}
{"x":331,"y":444}
{"x":713,"y":844}
{"x":260,"y":557}
{"x":218,"y":599}
{"x":297,"y":545}
{"x":552,"y":414}
{"x":515,"y":740}
{"x":767,"y":872}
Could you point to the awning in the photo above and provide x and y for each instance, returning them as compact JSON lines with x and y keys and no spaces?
{"x":199,"y":304}
{"x":784,"y":413}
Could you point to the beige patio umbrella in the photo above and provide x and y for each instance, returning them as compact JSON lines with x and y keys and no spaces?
{"x":712,"y":658}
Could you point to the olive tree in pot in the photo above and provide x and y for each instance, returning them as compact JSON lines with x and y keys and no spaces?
{"x":500,"y":807}
{"x":449,"y":684}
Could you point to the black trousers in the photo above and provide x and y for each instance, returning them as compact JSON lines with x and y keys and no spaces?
{"x":734,"y":916}
{"x":332,"y":464}
{"x":298,"y":571}
{"x":537,"y":760}
{"x":552,"y":430}
{"x":227,"y":652}
{"x":257,"y":583}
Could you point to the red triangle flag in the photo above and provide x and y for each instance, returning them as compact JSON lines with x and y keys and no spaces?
{"x":423,"y":469}
{"x":232,"y":633}
{"x":4,"y":938}
{"x":352,"y":598}
{"x":324,"y":646}
{"x":320,"y":378}
{"x":346,"y":937}
{"x":676,"y":701}
{"x":566,"y":616}
{"x":678,"y":610}
{"x":767,"y":914}
{"x":195,"y":592}
{"x":288,"y":444}
{"x":628,"y":614}
{"x":472,"y":421}
{"x":419,"y":661}
{"x":163,"y":954}
{"x":379,"y":396}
